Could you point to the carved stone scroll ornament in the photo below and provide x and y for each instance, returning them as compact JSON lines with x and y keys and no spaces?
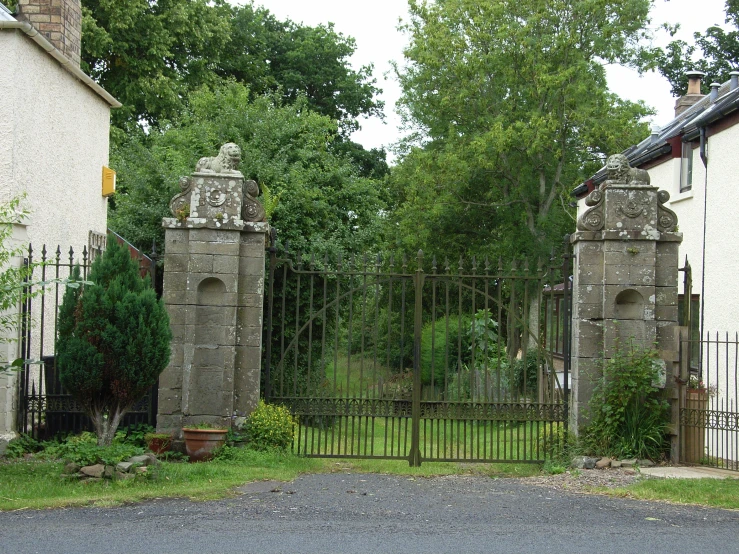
{"x":666,"y":218}
{"x":593,"y":219}
{"x":180,"y":203}
{"x":251,"y":209}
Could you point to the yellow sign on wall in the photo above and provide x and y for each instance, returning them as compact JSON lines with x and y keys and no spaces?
{"x":108,"y":182}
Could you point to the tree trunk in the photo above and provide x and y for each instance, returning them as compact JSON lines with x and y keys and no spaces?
{"x":532,"y":341}
{"x":105,"y":425}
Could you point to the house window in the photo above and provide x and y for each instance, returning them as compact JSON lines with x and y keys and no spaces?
{"x":686,"y":168}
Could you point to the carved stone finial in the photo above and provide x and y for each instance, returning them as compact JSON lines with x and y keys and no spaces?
{"x":620,"y":172}
{"x":227,"y":161}
{"x":216,"y":195}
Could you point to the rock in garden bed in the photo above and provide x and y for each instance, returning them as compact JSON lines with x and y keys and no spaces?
{"x":123,"y":470}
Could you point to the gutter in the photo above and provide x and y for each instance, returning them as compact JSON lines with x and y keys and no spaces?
{"x":65,"y":62}
{"x":716,"y":113}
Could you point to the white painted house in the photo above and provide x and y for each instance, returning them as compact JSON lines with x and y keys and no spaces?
{"x":695,"y":158}
{"x":54,"y":133}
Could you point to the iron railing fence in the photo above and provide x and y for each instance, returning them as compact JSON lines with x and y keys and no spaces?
{"x":401,"y":358}
{"x":709,"y":414}
{"x":45,"y":408}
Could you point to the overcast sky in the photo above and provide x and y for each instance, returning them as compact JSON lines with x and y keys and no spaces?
{"x":374,"y":26}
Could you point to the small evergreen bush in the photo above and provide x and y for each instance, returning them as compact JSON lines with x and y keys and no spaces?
{"x":113,"y":339}
{"x":441,"y":344}
{"x":270,"y":427}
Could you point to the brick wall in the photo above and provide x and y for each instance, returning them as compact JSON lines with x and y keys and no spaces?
{"x":60,"y":21}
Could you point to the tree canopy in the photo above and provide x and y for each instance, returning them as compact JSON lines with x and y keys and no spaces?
{"x":295,"y":60}
{"x":151,"y":55}
{"x":718,"y":56}
{"x":510,"y":107}
{"x":323,"y":200}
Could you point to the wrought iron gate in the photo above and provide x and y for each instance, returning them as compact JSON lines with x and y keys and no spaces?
{"x":381,"y":359}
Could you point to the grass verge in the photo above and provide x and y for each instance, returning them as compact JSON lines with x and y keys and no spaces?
{"x":32,"y":484}
{"x":716,"y":493}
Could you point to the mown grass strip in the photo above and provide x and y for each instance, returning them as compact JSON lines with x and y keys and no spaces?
{"x":38,"y":484}
{"x":716,"y":493}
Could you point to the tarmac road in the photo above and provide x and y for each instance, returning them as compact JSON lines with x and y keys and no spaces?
{"x":356,"y":513}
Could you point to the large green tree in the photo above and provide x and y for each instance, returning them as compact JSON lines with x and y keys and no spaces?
{"x":715,"y":52}
{"x":113,"y":340}
{"x":323,"y":201}
{"x":511,"y":108}
{"x":270,"y":55}
{"x":149,"y":55}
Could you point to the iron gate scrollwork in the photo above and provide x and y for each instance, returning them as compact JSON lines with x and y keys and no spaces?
{"x":381,"y":359}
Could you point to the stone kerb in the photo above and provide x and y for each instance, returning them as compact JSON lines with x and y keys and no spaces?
{"x":624,"y":278}
{"x":213,"y":289}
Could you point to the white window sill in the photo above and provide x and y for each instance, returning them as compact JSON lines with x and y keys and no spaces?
{"x":682,"y":196}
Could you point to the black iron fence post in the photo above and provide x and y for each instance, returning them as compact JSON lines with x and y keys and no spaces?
{"x":418,"y":281}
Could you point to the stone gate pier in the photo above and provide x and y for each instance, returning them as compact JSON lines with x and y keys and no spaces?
{"x":625,"y":278}
{"x":213,"y":291}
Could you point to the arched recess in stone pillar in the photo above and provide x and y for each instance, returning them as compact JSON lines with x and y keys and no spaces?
{"x":629,"y":305}
{"x":209,"y":356}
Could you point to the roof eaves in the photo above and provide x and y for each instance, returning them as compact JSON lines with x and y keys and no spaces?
{"x":65,"y":62}
{"x":6,"y":14}
{"x":687,"y":124}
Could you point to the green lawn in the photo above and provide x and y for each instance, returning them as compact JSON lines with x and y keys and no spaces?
{"x":32,"y":484}
{"x":717,"y":493}
{"x":36,"y":484}
{"x":440,"y":439}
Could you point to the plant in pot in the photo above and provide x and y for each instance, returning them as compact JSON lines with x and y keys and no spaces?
{"x":158,"y":442}
{"x":201,"y":440}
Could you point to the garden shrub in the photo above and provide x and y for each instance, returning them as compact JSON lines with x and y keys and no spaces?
{"x":24,"y":444}
{"x":270,"y":426}
{"x":445,"y":347}
{"x":83,"y":449}
{"x":627,"y":413}
{"x":526,"y":372}
{"x":134,"y":435}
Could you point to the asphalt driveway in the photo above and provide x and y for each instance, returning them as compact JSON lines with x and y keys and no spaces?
{"x":378,"y":513}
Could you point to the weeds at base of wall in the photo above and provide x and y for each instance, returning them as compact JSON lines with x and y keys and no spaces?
{"x":627,"y":412}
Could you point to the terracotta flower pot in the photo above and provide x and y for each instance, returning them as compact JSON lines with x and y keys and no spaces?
{"x":159,"y":445}
{"x":200,"y":443}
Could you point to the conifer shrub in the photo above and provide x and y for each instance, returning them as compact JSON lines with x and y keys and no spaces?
{"x":113,"y":340}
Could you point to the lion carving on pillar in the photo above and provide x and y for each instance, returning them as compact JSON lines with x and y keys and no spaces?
{"x":227,"y":160}
{"x":620,"y":172}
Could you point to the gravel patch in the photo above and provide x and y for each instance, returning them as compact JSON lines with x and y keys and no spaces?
{"x":585,"y":480}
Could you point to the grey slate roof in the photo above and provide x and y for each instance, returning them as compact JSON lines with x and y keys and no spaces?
{"x":687,"y":124}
